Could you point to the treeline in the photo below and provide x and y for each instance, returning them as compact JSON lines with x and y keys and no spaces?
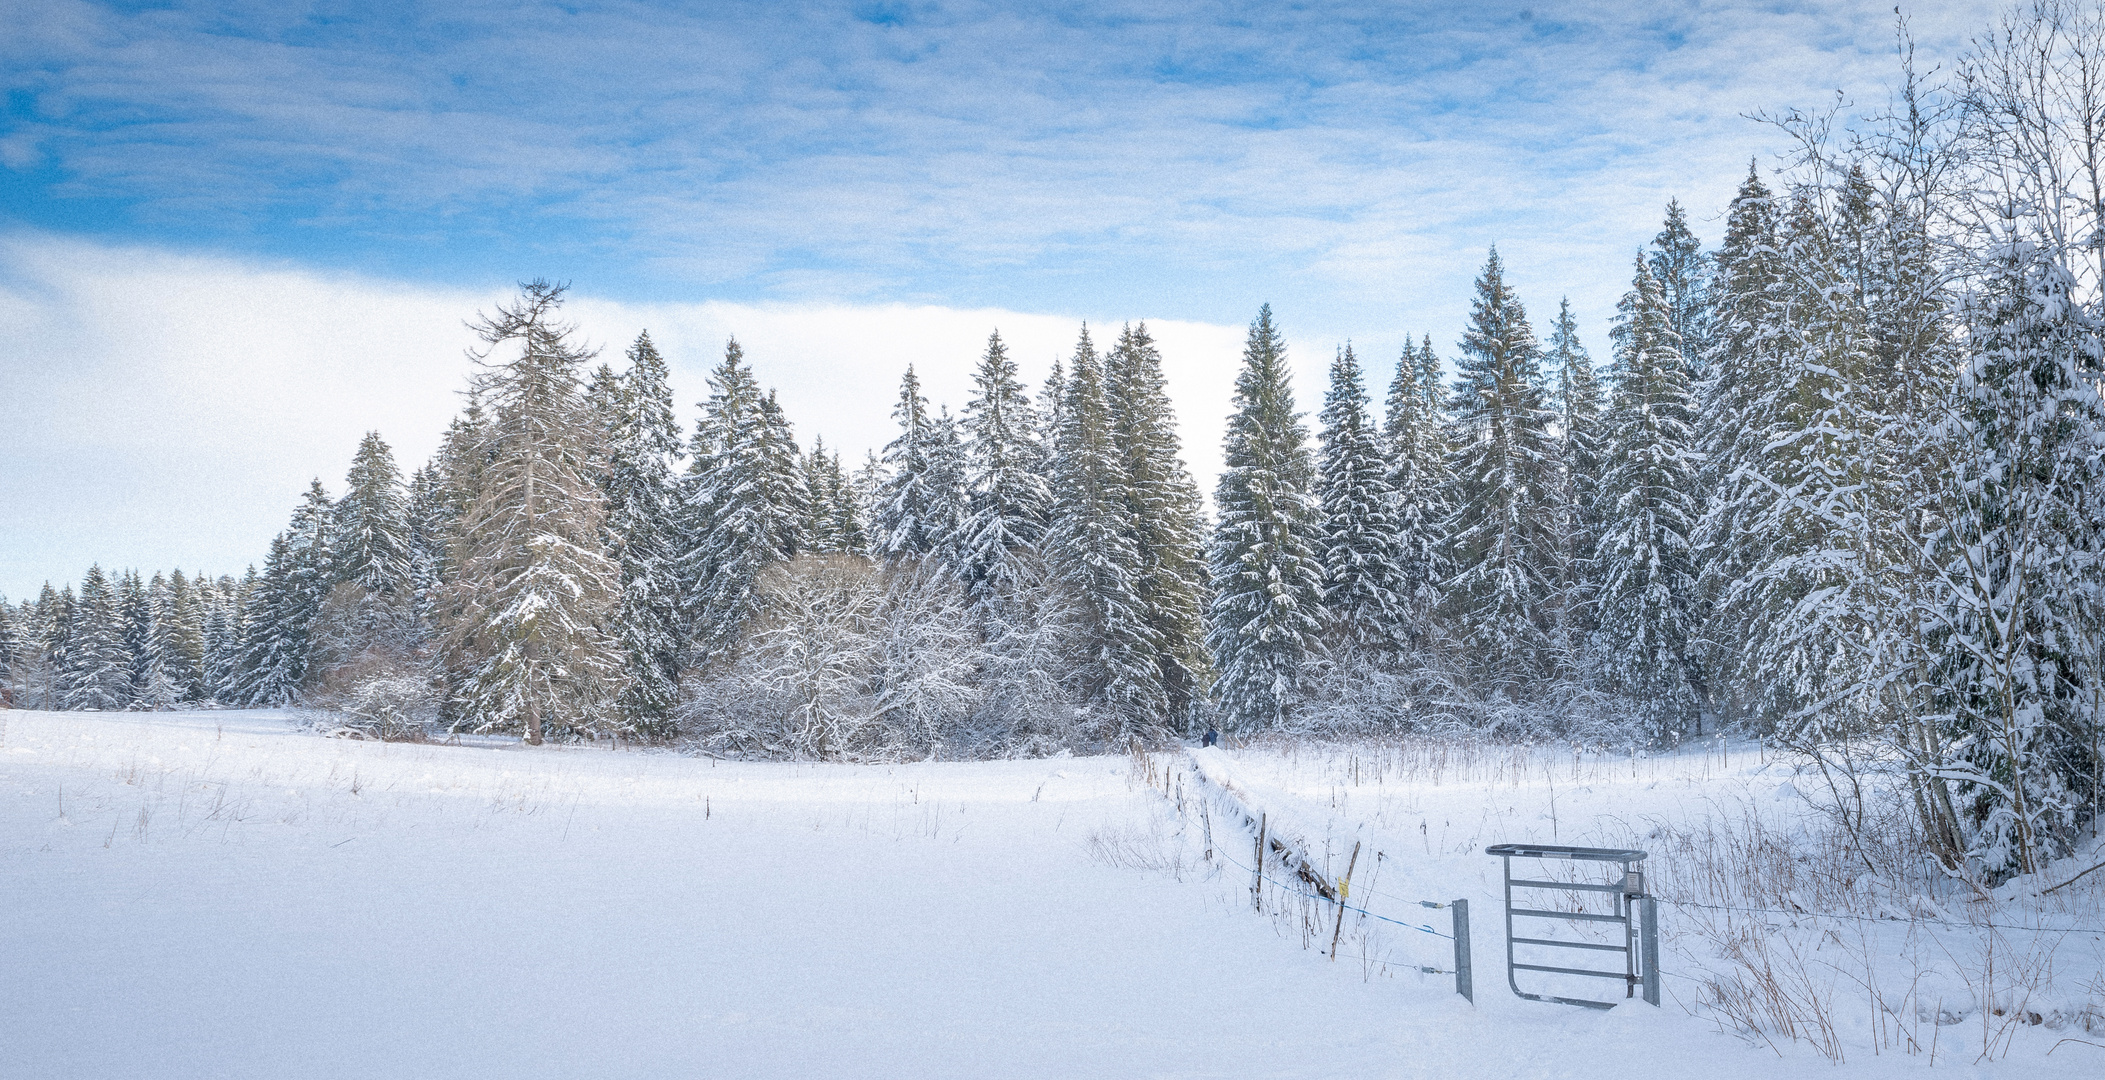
{"x":1841,"y":484}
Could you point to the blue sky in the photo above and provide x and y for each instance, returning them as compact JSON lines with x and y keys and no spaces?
{"x":1180,"y":162}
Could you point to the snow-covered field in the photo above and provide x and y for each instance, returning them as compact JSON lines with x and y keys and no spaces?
{"x":225,"y":895}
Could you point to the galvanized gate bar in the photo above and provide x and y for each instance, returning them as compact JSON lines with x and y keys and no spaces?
{"x":1635,"y":912}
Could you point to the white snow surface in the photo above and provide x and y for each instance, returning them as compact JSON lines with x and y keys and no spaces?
{"x":227,"y":894}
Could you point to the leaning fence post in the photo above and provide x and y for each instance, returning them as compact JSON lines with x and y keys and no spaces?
{"x":1257,"y":885}
{"x":1463,"y":983}
{"x":1648,"y":948}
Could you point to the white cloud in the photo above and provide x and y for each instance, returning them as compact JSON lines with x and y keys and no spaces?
{"x":166,"y":409}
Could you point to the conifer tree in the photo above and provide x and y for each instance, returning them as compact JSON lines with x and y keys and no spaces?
{"x":50,"y":635}
{"x":1643,"y":564}
{"x":274,"y":646}
{"x":906,"y":520}
{"x":1266,"y":611}
{"x":10,"y":644}
{"x":1163,"y":507}
{"x":1503,"y":534}
{"x":847,"y":509}
{"x":1415,"y":429}
{"x":1009,"y":500}
{"x":743,"y":503}
{"x":1092,"y":554}
{"x":98,"y":668}
{"x":1684,"y":272}
{"x":179,"y":636}
{"x":1580,"y":404}
{"x":222,"y":639}
{"x":1741,"y":369}
{"x":949,"y":508}
{"x":1049,"y":412}
{"x":535,"y":585}
{"x":1357,"y":540}
{"x":642,"y":447}
{"x":369,"y":536}
{"x":820,"y":529}
{"x":136,"y":610}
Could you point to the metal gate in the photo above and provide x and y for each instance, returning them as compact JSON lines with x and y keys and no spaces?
{"x":1633,"y":911}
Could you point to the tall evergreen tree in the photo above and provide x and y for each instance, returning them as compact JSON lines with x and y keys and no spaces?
{"x":1266,"y":612}
{"x":1682,"y":269}
{"x":10,"y":644}
{"x":222,"y":640}
{"x":1741,"y":370}
{"x":535,"y":585}
{"x":1005,"y":482}
{"x":98,"y":668}
{"x":743,"y":504}
{"x":179,"y":635}
{"x":1163,"y":509}
{"x":1503,"y":533}
{"x":820,"y":530}
{"x":274,"y":644}
{"x":370,"y":544}
{"x":1092,"y":552}
{"x":135,"y":608}
{"x":949,"y":507}
{"x":1580,"y":404}
{"x":1644,"y":566}
{"x":1357,"y":540}
{"x":904,"y":521}
{"x":1415,"y":429}
{"x":642,"y":447}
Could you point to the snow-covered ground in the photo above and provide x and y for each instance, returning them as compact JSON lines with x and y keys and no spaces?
{"x":226,"y":895}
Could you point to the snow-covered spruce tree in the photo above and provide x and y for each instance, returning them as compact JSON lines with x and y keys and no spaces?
{"x":274,"y":655}
{"x":1356,"y":537}
{"x":908,"y":502}
{"x":948,"y":508}
{"x":1643,"y":565}
{"x":1683,"y":271}
{"x":136,"y":611}
{"x":1742,"y":366}
{"x":1093,"y":557}
{"x":1164,"y":516}
{"x":158,"y":687}
{"x":50,"y":646}
{"x":642,"y":446}
{"x":535,"y":587}
{"x":179,"y":635}
{"x":1807,"y":605}
{"x":274,"y":645}
{"x":1050,"y":413}
{"x":1009,"y":499}
{"x":819,"y":532}
{"x":742,"y":503}
{"x":1503,"y":532}
{"x":1415,"y":429}
{"x":1265,"y":618}
{"x":846,"y":507}
{"x":1580,"y":405}
{"x":369,"y":534}
{"x":10,"y":645}
{"x":98,"y":669}
{"x":222,"y":636}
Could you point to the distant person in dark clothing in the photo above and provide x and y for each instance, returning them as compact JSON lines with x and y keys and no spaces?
{"x":1212,"y":736}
